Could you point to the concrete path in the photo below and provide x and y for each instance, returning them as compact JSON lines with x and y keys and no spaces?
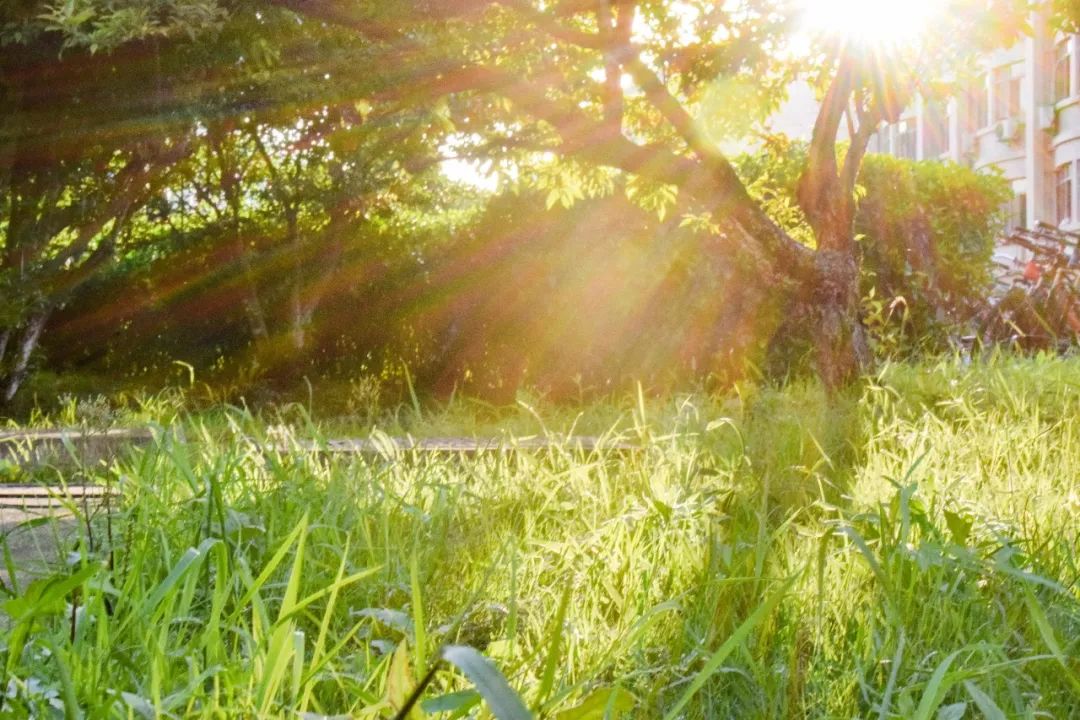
{"x":35,"y":547}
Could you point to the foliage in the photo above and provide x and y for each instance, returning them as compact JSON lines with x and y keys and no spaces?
{"x":1067,"y":15}
{"x":493,"y":301}
{"x":634,"y":87}
{"x":929,"y":231}
{"x":102,"y":25}
{"x":650,"y":583}
{"x":771,"y":174}
{"x":511,"y":295}
{"x":241,"y":156}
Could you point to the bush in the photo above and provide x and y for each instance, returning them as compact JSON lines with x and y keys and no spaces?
{"x":928,"y":230}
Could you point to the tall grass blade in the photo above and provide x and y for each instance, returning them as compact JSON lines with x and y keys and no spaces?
{"x":419,"y":631}
{"x":890,"y":686}
{"x":734,"y":640}
{"x":1049,"y":637}
{"x":984,"y":702}
{"x":190,"y":560}
{"x":67,"y":687}
{"x":399,"y":681}
{"x":502,"y":701}
{"x":268,"y":570}
{"x":936,"y":688}
{"x":554,"y":648}
{"x":280,"y":647}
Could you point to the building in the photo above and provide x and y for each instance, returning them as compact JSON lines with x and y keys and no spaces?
{"x":1022,"y":116}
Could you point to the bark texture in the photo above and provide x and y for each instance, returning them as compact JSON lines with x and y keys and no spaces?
{"x":25,"y":345}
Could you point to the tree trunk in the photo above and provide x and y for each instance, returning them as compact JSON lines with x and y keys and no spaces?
{"x":26,"y":345}
{"x":840,"y":343}
{"x":231,"y":177}
{"x":315,"y":275}
{"x":299,"y":317}
{"x":249,"y":291}
{"x":5,"y":336}
{"x":252,"y":305}
{"x":750,"y":313}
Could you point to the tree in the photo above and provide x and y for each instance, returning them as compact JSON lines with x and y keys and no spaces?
{"x":120,"y":118}
{"x":71,"y":191}
{"x":615,"y":83}
{"x":86,"y":142}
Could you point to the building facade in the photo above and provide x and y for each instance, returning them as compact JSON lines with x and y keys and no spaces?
{"x":1022,"y":116}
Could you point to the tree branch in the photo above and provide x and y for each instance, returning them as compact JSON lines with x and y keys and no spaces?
{"x":869,"y":119}
{"x":819,"y":182}
{"x":136,"y":182}
{"x":728,"y":194}
{"x":711,"y":180}
{"x":328,"y":12}
{"x":613,"y":93}
{"x":554,"y":28}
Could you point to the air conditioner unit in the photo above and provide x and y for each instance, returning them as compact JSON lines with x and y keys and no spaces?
{"x":1047,"y":116}
{"x":1009,"y":130}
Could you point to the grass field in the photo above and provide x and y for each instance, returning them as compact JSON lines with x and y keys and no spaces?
{"x":911,"y":550}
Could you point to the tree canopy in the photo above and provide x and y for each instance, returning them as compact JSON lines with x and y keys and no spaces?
{"x":619,"y":85}
{"x":262,"y":141}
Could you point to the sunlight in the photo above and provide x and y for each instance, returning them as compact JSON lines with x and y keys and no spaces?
{"x":473,"y":173}
{"x":871,"y":22}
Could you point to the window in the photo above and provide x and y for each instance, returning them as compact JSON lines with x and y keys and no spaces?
{"x":1017,"y":210}
{"x":936,"y":129}
{"x":977,"y":106}
{"x":1063,"y":71}
{"x":905,"y":139}
{"x":1006,"y":93}
{"x":1064,"y":193}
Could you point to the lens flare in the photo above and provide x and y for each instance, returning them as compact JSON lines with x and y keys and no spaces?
{"x":871,"y":22}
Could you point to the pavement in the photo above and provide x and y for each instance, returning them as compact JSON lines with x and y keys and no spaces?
{"x":37,"y":541}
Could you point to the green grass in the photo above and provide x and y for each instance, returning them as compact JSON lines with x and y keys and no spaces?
{"x":909,"y":551}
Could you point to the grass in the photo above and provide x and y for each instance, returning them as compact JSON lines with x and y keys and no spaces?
{"x":908,"y":551}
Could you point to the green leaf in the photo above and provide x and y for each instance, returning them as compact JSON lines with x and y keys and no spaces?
{"x":399,"y":680}
{"x":986,"y":705}
{"x":42,"y":597}
{"x":80,"y":18}
{"x":451,"y":702}
{"x":389,"y":617}
{"x":956,"y":711}
{"x":47,"y":595}
{"x":959,"y":526}
{"x":504,"y":703}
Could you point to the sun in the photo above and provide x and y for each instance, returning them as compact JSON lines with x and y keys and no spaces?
{"x":870,"y":22}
